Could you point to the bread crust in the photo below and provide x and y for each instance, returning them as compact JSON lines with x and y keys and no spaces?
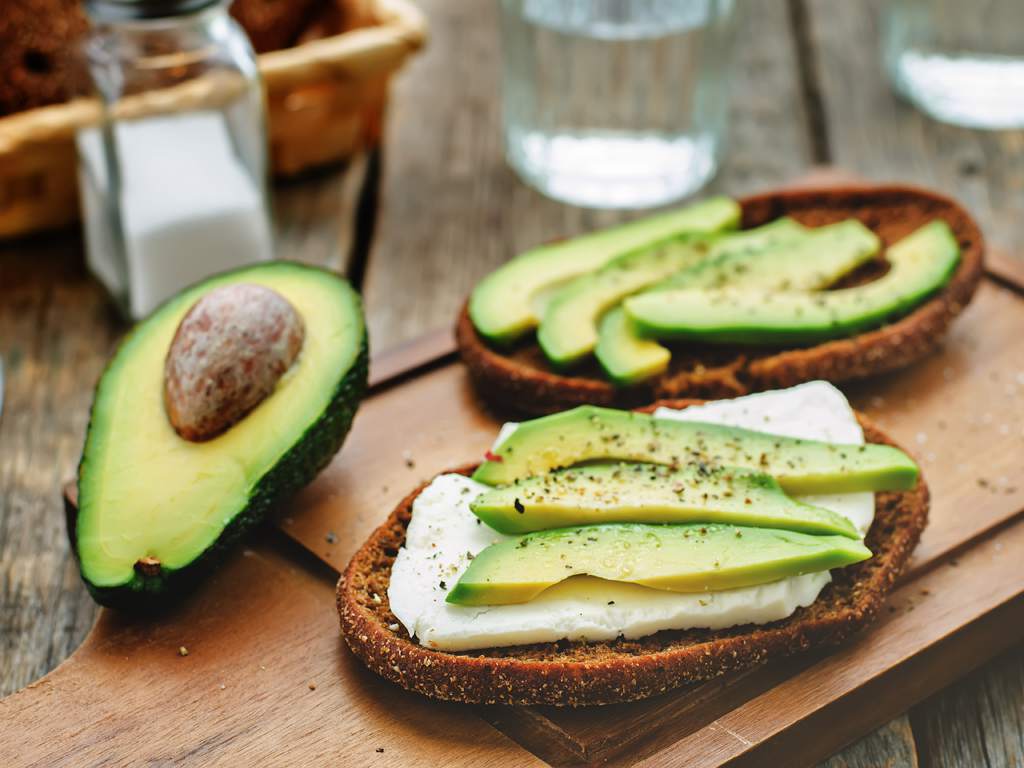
{"x":520,"y":379}
{"x":575,"y":673}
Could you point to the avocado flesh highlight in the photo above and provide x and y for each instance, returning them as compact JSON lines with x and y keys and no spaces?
{"x":676,"y":558}
{"x":502,"y":306}
{"x":144,"y":492}
{"x":651,"y":493}
{"x":806,"y":260}
{"x":590,"y":433}
{"x":920,"y":265}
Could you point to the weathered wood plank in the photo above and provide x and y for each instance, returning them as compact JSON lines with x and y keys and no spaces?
{"x":452,"y":210}
{"x":56,"y":331}
{"x":979,"y":721}
{"x":891,"y":746}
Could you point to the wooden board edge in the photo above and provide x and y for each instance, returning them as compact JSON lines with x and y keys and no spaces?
{"x":396,"y":363}
{"x":1005,"y":269}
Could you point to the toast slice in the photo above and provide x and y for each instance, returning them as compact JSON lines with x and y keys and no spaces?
{"x":521,"y":380}
{"x":575,"y":673}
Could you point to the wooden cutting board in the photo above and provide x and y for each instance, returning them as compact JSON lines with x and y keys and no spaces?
{"x":267,"y":679}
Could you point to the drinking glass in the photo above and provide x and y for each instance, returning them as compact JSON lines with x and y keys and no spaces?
{"x":960,"y":62}
{"x":616,"y":103}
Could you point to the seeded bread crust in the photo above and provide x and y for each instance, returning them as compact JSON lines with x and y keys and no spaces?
{"x":520,"y":379}
{"x":575,"y":673}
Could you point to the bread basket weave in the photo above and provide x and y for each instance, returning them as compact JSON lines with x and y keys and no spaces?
{"x":325,"y":101}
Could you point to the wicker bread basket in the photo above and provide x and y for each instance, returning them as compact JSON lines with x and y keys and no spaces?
{"x":325,"y":101}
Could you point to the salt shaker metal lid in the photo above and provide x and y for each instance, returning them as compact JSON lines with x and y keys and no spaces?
{"x":136,"y":10}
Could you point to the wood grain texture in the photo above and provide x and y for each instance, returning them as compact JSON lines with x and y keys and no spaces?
{"x":315,"y":218}
{"x":451,"y":208}
{"x":978,"y":721}
{"x":250,"y":691}
{"x":872,"y":132}
{"x":891,"y":746}
{"x":49,"y":374}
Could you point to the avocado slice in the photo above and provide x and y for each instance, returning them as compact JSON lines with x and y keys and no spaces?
{"x":651,"y":493}
{"x":155,"y":510}
{"x":919,"y":266}
{"x":796,"y":260}
{"x":589,"y":433}
{"x":568,"y":329}
{"x":502,"y":306}
{"x":676,"y":558}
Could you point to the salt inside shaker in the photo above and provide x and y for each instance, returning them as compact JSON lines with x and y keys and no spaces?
{"x":173,"y":177}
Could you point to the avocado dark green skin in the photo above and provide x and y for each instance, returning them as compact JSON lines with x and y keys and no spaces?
{"x":296,"y":469}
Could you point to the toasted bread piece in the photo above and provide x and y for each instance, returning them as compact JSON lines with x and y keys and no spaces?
{"x":520,"y":378}
{"x":576,"y":673}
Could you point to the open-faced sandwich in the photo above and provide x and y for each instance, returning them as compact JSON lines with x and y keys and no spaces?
{"x":600,"y":555}
{"x":722,"y":298}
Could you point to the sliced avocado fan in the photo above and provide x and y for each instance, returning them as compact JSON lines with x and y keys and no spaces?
{"x":568,"y":329}
{"x":675,"y":558}
{"x":589,"y":433}
{"x":502,"y":306}
{"x":155,"y":510}
{"x":804,"y":260}
{"x":919,"y":266}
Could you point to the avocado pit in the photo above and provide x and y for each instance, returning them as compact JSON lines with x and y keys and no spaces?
{"x":229,"y":352}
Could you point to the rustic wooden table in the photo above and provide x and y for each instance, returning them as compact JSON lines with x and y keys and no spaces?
{"x":417,"y":226}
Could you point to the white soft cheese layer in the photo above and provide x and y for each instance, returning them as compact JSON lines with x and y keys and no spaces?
{"x":444,"y":534}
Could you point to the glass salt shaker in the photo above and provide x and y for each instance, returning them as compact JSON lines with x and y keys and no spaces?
{"x":173,"y":175}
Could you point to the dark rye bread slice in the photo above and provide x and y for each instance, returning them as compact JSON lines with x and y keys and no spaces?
{"x":520,"y":378}
{"x":575,"y":673}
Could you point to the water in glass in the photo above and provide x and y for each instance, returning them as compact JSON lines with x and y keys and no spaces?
{"x":616,"y":103}
{"x":960,"y":62}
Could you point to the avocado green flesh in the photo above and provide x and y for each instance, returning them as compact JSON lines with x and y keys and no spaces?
{"x":589,"y":433}
{"x":920,"y":265}
{"x":502,"y":306}
{"x":676,"y":558}
{"x":144,"y":492}
{"x":650,"y":493}
{"x":568,"y":330}
{"x":786,"y":259}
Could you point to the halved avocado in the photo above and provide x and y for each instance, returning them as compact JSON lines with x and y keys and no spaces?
{"x":155,"y":510}
{"x":919,"y":266}
{"x":503,"y":304}
{"x":780,"y":260}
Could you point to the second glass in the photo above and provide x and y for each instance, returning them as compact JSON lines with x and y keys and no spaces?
{"x":616,"y":103}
